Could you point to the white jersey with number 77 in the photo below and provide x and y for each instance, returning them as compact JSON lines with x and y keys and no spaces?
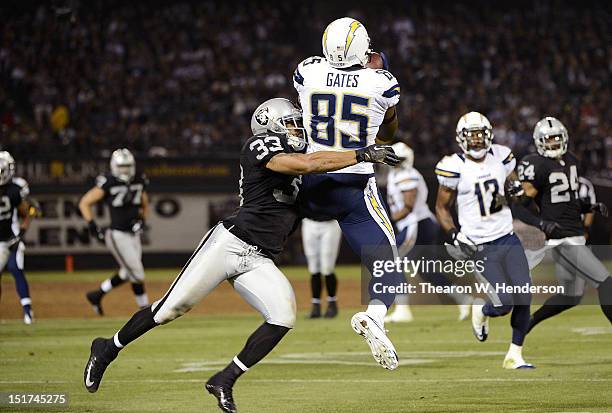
{"x":343,"y":108}
{"x":479,"y":184}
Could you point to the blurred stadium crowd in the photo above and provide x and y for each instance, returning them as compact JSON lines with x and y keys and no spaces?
{"x":181,"y":79}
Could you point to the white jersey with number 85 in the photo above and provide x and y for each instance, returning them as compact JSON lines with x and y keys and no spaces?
{"x":343,"y":109}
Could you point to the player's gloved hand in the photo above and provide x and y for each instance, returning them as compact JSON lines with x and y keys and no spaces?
{"x":95,"y":230}
{"x":468,"y":247}
{"x":138,"y":226}
{"x":13,"y":243}
{"x":514,"y":189}
{"x":601,"y":208}
{"x":549,"y":227}
{"x":378,"y":154}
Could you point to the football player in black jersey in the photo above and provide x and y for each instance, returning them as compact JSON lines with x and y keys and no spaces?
{"x":241,"y":248}
{"x":14,"y":221}
{"x":125,"y":193}
{"x":550,"y":180}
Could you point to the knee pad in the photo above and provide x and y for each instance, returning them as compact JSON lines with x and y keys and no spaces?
{"x":168,"y":313}
{"x":284,"y":319}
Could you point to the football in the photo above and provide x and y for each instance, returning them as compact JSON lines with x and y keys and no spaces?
{"x":376,"y":61}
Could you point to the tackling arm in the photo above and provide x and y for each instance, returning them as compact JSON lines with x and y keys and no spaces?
{"x":389,"y":126}
{"x":317,"y":162}
{"x":409,"y":199}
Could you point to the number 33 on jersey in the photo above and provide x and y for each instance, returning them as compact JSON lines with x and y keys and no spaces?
{"x":478,"y":186}
{"x":343,"y":109}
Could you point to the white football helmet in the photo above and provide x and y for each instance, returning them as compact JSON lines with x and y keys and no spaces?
{"x":346,"y":43}
{"x":279,"y":115}
{"x":474,"y":134}
{"x":123,"y":165}
{"x":7,"y":167}
{"x":550,"y":137}
{"x":405,"y":152}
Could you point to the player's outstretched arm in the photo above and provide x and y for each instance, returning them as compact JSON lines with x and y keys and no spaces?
{"x":328,"y":161}
{"x":389,"y":126}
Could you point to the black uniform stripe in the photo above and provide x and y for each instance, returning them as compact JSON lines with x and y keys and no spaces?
{"x":165,"y":297}
{"x":577,"y":268}
{"x":122,"y":260}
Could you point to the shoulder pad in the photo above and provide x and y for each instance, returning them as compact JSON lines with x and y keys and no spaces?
{"x":503,"y":153}
{"x":450,"y":166}
{"x":20,"y":182}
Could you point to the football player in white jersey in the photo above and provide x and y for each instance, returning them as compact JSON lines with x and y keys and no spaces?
{"x":478,"y":179}
{"x":321,"y":241}
{"x":346,"y":106}
{"x":416,"y":229}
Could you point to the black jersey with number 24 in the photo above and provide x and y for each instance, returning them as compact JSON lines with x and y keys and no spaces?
{"x":557,"y":183}
{"x":268,"y":212}
{"x":124,"y":199}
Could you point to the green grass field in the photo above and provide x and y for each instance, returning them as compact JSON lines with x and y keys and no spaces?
{"x":321,"y":366}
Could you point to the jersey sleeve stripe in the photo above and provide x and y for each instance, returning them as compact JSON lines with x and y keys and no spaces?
{"x":447,"y":174}
{"x":508,"y":159}
{"x":298,"y":78}
{"x":392,"y":91}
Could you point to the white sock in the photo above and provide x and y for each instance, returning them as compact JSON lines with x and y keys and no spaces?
{"x":377,"y":310}
{"x":401,"y":299}
{"x":116,"y":340}
{"x":516,"y":351}
{"x":106,"y":285}
{"x":142,"y":300}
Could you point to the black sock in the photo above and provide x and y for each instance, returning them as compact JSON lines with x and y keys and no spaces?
{"x":552,"y":306}
{"x":138,"y":288}
{"x":258,"y":345}
{"x":141,"y":322}
{"x":605,"y":297}
{"x":115,"y":281}
{"x":315,"y":286}
{"x":331,"y":283}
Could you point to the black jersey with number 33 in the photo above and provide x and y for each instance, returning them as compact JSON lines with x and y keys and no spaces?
{"x":123,"y":199}
{"x":557,"y":183}
{"x":268,"y":211}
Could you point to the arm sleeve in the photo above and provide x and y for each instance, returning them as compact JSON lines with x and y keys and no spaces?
{"x":525,"y":213}
{"x":448,"y":172}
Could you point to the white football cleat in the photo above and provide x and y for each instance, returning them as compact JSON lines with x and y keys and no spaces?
{"x":480,"y":322}
{"x":28,"y":317}
{"x":516,"y":362}
{"x":382,"y":349}
{"x":401,"y":314}
{"x":464,"y":311}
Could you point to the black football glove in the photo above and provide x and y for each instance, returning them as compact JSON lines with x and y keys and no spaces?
{"x":13,"y":243}
{"x":468,"y":247}
{"x":549,"y":227}
{"x":95,"y":230}
{"x":378,"y":154}
{"x":514,"y":189}
{"x":601,"y":208}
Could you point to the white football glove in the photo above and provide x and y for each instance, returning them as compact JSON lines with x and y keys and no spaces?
{"x":468,"y":247}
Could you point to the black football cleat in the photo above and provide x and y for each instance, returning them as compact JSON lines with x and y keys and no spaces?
{"x":332,"y":310}
{"x":100,"y":357}
{"x":316,"y":311}
{"x":95,"y":299}
{"x":223,"y":394}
